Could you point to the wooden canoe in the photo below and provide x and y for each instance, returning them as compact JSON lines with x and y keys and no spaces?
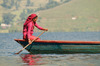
{"x":61,"y":47}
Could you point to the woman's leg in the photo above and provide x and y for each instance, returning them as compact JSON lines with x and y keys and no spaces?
{"x":24,"y":37}
{"x":33,"y":37}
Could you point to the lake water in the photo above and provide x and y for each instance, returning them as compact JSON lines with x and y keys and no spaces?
{"x":8,"y":47}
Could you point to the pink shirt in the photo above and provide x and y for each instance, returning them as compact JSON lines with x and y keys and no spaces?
{"x":28,"y":29}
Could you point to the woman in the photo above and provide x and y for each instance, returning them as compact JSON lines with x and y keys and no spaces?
{"x":29,"y":26}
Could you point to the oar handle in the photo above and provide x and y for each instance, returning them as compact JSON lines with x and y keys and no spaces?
{"x":38,"y":36}
{"x":29,"y":44}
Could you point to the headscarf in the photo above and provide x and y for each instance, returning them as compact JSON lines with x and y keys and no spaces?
{"x":29,"y":19}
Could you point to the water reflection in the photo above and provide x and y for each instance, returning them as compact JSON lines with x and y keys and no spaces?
{"x":30,"y":59}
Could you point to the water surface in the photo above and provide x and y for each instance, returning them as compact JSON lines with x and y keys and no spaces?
{"x":8,"y":47}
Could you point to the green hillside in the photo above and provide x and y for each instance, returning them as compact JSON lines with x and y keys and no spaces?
{"x":13,"y":13}
{"x":77,"y":15}
{"x":56,"y":15}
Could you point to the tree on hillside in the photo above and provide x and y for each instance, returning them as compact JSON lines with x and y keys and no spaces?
{"x":10,"y":3}
{"x":23,"y":15}
{"x":51,"y":4}
{"x":4,"y":4}
{"x":61,"y":0}
{"x":29,"y":3}
{"x":29,"y":11}
{"x":17,"y":5}
{"x":66,"y":1}
{"x":8,"y":18}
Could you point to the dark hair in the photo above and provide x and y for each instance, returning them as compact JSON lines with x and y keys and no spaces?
{"x":35,"y":17}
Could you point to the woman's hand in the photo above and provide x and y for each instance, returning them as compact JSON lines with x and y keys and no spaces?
{"x":29,"y":41}
{"x":45,"y":29}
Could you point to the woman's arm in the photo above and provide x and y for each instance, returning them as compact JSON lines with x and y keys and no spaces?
{"x":39,"y":27}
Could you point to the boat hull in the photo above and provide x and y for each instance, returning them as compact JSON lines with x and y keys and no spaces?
{"x":61,"y":47}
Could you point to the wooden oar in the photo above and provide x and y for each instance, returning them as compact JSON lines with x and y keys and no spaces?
{"x":29,"y":44}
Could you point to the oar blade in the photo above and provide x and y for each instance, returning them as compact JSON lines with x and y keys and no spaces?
{"x":19,"y":52}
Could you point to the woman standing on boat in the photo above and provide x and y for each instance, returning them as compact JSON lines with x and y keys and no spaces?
{"x":29,"y":26}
